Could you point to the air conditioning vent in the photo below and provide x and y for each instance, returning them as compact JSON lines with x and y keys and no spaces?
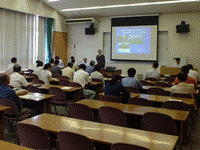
{"x":81,"y":20}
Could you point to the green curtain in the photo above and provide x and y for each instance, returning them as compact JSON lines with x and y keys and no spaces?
{"x":49,"y":27}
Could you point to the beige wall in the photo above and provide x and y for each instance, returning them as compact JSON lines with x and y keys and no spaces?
{"x":35,"y":7}
{"x":180,"y":45}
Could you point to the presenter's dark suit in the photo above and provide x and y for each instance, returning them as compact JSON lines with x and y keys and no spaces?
{"x":100,"y":61}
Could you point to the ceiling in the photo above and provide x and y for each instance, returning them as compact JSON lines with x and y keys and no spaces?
{"x":123,"y":11}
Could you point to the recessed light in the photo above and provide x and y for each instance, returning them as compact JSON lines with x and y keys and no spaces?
{"x":129,"y":5}
{"x":52,"y":0}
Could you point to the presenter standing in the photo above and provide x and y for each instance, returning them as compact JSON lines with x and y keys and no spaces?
{"x":100,"y":59}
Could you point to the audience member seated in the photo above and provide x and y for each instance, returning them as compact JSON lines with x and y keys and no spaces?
{"x":46,"y":74}
{"x":115,"y":88}
{"x":90,"y":68}
{"x":13,"y":62}
{"x":61,"y":64}
{"x":68,"y":71}
{"x":183,"y":87}
{"x":177,"y":64}
{"x":52,"y":62}
{"x":56,"y":69}
{"x":153,"y":73}
{"x":72,"y":58}
{"x":193,"y":74}
{"x":185,"y":70}
{"x":75,"y":67}
{"x":85,"y":61}
{"x":97,"y":75}
{"x":35,"y":64}
{"x":130,"y":81}
{"x":38,"y":69}
{"x":82,"y":77}
{"x":7,"y":92}
{"x":17,"y":80}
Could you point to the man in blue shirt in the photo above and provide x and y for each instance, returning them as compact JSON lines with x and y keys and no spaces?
{"x":130,"y":81}
{"x":90,"y":68}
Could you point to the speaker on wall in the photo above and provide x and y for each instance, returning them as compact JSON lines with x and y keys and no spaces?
{"x":183,"y":28}
{"x":90,"y":30}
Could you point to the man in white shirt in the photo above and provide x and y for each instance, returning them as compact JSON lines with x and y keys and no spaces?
{"x":68,"y":71}
{"x":16,"y":79}
{"x":38,"y":69}
{"x":153,"y":73}
{"x":97,"y":75}
{"x":13,"y":62}
{"x":82,"y":78}
{"x":61,"y":64}
{"x":193,"y":74}
{"x":183,"y":87}
{"x":177,"y":64}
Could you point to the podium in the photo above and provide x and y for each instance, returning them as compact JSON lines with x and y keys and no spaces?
{"x":110,"y":72}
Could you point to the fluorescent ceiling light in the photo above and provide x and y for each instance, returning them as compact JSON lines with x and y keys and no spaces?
{"x":129,"y":5}
{"x":52,"y":0}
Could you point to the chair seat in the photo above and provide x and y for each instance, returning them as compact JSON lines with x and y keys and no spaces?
{"x":63,"y":103}
{"x":12,"y":117}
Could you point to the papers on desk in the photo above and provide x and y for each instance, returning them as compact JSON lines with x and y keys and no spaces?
{"x":178,"y":100}
{"x":66,"y":88}
{"x":35,"y":96}
{"x":55,"y":79}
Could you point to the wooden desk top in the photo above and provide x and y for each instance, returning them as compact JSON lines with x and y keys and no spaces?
{"x":64,"y":88}
{"x":35,"y":96}
{"x":10,"y":146}
{"x":3,"y":108}
{"x":136,"y":109}
{"x":161,"y":99}
{"x":104,"y":133}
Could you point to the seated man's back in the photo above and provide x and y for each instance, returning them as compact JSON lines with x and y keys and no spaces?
{"x":68,"y":71}
{"x":153,"y":73}
{"x":97,"y":75}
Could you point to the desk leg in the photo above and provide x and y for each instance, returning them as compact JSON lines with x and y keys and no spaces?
{"x":1,"y":125}
{"x":48,"y":106}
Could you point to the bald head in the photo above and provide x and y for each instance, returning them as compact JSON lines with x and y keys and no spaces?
{"x":4,"y":78}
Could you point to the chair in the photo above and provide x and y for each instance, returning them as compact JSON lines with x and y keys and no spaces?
{"x":151,"y":79}
{"x":59,"y":98}
{"x":105,"y":75}
{"x":157,"y":122}
{"x":123,"y":146}
{"x":143,"y":82}
{"x":162,"y":84}
{"x":12,"y":114}
{"x":32,"y":136}
{"x":110,"y":115}
{"x":64,"y":82}
{"x":181,"y":95}
{"x":74,"y":84}
{"x":38,"y":81}
{"x":110,"y":98}
{"x":33,"y":89}
{"x":64,"y":77}
{"x":74,"y":141}
{"x":80,"y":111}
{"x":175,"y":105}
{"x":96,"y":80}
{"x":157,"y":91}
{"x":132,"y":90}
{"x":139,"y":101}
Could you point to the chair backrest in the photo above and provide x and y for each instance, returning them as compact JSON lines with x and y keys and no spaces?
{"x":110,"y":98}
{"x":151,"y":79}
{"x":175,"y":105}
{"x":73,"y":141}
{"x":30,"y":70}
{"x":96,"y":80}
{"x":74,"y":84}
{"x":181,"y":95}
{"x":157,"y":122}
{"x":32,"y":136}
{"x":11,"y":104}
{"x":110,"y":115}
{"x":33,"y":89}
{"x":105,"y":75}
{"x":123,"y":146}
{"x":63,"y":77}
{"x":139,"y":101}
{"x":157,"y":91}
{"x":132,"y":89}
{"x":64,"y":82}
{"x":80,"y":111}
{"x":38,"y":81}
{"x":59,"y":93}
{"x":143,"y":82}
{"x":162,"y":84}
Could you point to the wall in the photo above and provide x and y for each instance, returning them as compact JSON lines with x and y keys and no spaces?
{"x":35,"y":7}
{"x":180,"y":45}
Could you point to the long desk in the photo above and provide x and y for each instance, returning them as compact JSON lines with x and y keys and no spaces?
{"x":104,"y":133}
{"x":10,"y":146}
{"x":38,"y":98}
{"x":2,"y":109}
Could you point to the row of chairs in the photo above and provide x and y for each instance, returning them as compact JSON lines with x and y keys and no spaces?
{"x":36,"y":138}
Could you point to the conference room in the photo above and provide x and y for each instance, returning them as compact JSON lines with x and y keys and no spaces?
{"x":130,"y":34}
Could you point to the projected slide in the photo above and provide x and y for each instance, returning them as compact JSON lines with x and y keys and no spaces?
{"x":133,"y":40}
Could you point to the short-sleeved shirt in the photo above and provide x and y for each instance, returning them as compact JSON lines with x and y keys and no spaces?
{"x":153,"y":73}
{"x":37,"y":71}
{"x":18,"y":81}
{"x":56,"y":70}
{"x":69,"y":72}
{"x":194,"y":74}
{"x":45,"y":74}
{"x":81,"y":77}
{"x":189,"y":80}
{"x":98,"y":75}
{"x":131,"y":82}
{"x":89,"y":69}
